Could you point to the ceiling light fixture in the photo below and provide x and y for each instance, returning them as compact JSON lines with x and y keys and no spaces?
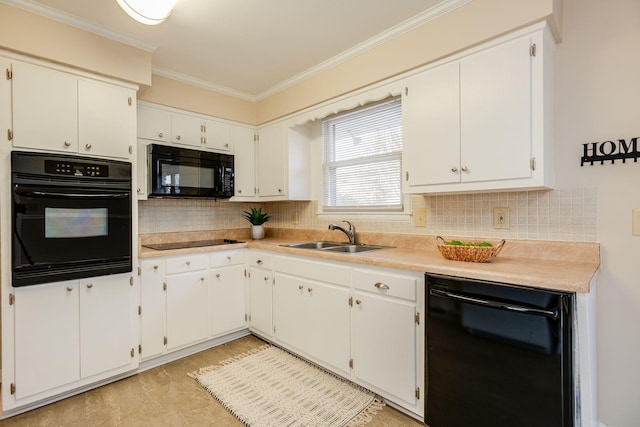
{"x":148,"y":12}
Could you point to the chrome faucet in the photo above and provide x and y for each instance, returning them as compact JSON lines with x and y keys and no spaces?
{"x":351,"y":233}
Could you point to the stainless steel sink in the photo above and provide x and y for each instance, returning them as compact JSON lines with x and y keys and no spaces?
{"x":314,"y":245}
{"x":335,"y":247}
{"x":353,"y":249}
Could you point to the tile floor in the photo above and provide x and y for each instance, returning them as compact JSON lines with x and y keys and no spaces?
{"x":162,"y":396}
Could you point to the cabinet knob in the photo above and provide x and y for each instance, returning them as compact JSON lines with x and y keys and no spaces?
{"x":266,"y":278}
{"x":381,"y":285}
{"x":464,"y":169}
{"x":155,"y":267}
{"x":309,"y":289}
{"x":69,"y":288}
{"x":87,"y":146}
{"x":226,"y":145}
{"x":160,"y":135}
{"x":67,"y":144}
{"x":218,"y":275}
{"x":239,"y":191}
{"x":202,"y":279}
{"x":188,"y":263}
{"x":279,"y":190}
{"x":259,"y":262}
{"x":178,"y":137}
{"x":228,"y":257}
{"x":89,"y":285}
{"x":454,"y":169}
{"x":139,"y":190}
{"x":358,"y":302}
{"x":300,"y":287}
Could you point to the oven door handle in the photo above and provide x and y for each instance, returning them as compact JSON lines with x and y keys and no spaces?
{"x":495,"y":304}
{"x":73,"y":195}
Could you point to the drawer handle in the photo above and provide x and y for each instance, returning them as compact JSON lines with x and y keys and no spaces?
{"x":188,"y":262}
{"x":259,"y":262}
{"x":381,"y":285}
{"x":69,"y":288}
{"x":178,"y":137}
{"x":89,"y":285}
{"x":155,"y":267}
{"x":160,"y":135}
{"x":88,"y":146}
{"x":67,"y":144}
{"x":228,"y":258}
{"x":202,"y":279}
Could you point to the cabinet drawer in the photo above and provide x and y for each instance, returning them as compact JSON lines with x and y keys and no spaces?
{"x":260,"y":259}
{"x":225,"y":258}
{"x":186,"y":263}
{"x":386,"y":283}
{"x":320,"y":271}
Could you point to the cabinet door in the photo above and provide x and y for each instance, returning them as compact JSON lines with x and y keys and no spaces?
{"x":105,"y":119}
{"x":142,"y":173}
{"x":245,"y":158}
{"x":187,"y":309}
{"x":46,"y":337}
{"x":272,"y":166}
{"x":105,"y":324}
{"x":329,"y":324}
{"x":45,"y":108}
{"x":218,"y":136}
{"x":153,"y":124}
{"x":186,"y":130}
{"x":384,"y":344}
{"x":260,"y":300}
{"x":496,"y":113}
{"x":291,"y":311}
{"x":228,"y":307}
{"x":152,"y":304}
{"x":431,"y":127}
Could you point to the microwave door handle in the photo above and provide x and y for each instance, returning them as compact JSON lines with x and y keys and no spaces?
{"x":73,"y":195}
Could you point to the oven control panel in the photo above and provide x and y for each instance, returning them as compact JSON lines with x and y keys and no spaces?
{"x":70,"y":168}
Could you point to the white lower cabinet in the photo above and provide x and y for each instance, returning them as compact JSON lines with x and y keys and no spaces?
{"x":313,"y":317}
{"x":47,"y":339}
{"x":186,"y":300}
{"x":72,"y":330}
{"x":388,"y":333}
{"x":260,"y":292}
{"x":187,"y":309}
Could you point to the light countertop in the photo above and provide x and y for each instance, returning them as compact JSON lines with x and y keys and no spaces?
{"x":565,"y":266}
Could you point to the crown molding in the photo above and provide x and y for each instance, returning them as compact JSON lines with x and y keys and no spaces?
{"x":393,"y":32}
{"x":83,"y":24}
{"x":194,"y":81}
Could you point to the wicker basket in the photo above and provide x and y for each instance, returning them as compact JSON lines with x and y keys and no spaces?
{"x":469,"y":253}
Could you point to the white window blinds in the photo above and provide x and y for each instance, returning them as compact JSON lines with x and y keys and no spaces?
{"x":362,"y":159}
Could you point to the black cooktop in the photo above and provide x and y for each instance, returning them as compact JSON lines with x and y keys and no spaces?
{"x":192,"y":244}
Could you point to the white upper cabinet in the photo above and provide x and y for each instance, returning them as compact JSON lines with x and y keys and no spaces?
{"x":58,"y":111}
{"x":186,"y":130}
{"x":218,"y":136}
{"x":271,"y":161}
{"x":245,"y":161}
{"x":45,"y":108}
{"x":481,"y":120}
{"x":153,"y":124}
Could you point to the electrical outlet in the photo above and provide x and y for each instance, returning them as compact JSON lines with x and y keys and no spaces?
{"x":420,"y":217}
{"x":501,"y":218}
{"x":294,"y":218}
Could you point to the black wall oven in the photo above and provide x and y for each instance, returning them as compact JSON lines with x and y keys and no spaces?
{"x":180,"y":172}
{"x":71,"y":217}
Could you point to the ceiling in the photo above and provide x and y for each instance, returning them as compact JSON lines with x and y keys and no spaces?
{"x":248,"y":48}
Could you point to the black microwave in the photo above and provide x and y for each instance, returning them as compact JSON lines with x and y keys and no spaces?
{"x":180,"y":172}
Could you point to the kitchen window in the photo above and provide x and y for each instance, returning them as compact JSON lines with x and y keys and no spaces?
{"x":361,"y":168}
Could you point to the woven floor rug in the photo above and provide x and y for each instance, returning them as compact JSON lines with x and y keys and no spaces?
{"x":270,"y":387}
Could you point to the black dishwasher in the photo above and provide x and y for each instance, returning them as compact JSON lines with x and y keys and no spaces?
{"x":497,"y":355}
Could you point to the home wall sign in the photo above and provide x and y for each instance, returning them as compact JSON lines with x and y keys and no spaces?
{"x":610,"y":150}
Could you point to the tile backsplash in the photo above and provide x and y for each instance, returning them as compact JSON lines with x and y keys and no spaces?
{"x":569,"y":215}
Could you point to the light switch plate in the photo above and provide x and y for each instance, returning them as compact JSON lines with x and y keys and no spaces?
{"x":420,"y":217}
{"x":635,"y":222}
{"x":501,"y":218}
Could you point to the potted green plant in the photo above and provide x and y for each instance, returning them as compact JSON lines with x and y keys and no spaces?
{"x":257,"y":218}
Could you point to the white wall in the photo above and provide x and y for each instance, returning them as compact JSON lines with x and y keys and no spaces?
{"x":597,"y":98}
